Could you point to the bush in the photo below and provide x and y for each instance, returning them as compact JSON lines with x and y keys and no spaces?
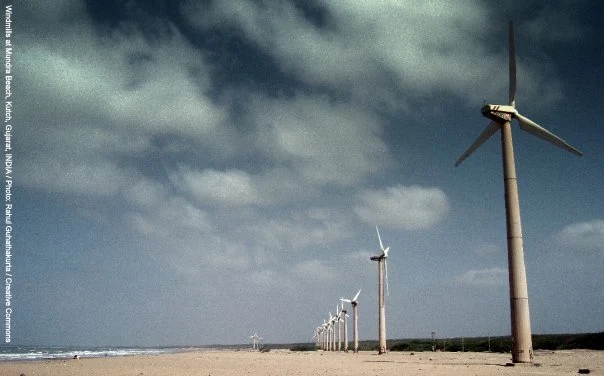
{"x":303,"y":347}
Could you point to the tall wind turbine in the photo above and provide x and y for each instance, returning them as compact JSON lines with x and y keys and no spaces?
{"x":501,"y":116}
{"x":355,"y":314}
{"x":382,"y":264}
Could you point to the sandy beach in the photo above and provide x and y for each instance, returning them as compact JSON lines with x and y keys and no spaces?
{"x":283,"y":362}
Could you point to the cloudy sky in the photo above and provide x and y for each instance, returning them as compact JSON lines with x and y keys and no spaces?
{"x":192,"y":172}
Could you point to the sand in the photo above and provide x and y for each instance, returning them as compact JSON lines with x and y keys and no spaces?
{"x":283,"y":362}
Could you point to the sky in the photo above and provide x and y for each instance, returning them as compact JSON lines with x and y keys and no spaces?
{"x":192,"y":172}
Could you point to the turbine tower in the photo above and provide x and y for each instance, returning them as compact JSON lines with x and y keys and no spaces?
{"x":355,"y":314}
{"x":338,"y":320}
{"x":382,"y":264}
{"x":501,"y":116}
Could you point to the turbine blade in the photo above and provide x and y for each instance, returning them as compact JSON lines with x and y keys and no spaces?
{"x":485,"y":135}
{"x":356,"y":296}
{"x":535,"y":129}
{"x":379,"y":238}
{"x":512,"y":67}
{"x":386,"y":267}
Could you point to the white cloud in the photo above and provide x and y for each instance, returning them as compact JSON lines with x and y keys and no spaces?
{"x":129,"y":82}
{"x":583,"y":236}
{"x":310,"y":227}
{"x":486,"y":277}
{"x":96,"y":99}
{"x":231,"y":187}
{"x":179,"y":234}
{"x":409,"y":208}
{"x":174,"y":217}
{"x":314,"y":270}
{"x":381,"y":52}
{"x":323,"y":142}
{"x":99,"y":177}
{"x":146,"y":193}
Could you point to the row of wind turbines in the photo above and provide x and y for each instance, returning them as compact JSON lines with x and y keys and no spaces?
{"x":501,"y":117}
{"x":325,"y":334}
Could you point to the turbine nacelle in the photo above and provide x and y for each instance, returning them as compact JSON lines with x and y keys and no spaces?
{"x":498,"y":113}
{"x":383,"y":256}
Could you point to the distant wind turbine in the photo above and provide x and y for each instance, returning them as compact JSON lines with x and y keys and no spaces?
{"x":333,"y":328}
{"x":255,"y":339}
{"x":345,"y":314}
{"x":382,"y":264}
{"x":325,"y":335}
{"x":332,"y":340}
{"x":355,"y":311}
{"x":338,"y":320}
{"x":501,"y":117}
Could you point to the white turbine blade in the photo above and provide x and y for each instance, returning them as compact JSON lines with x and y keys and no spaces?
{"x":485,"y":135}
{"x":535,"y":129}
{"x":386,"y":252}
{"x":346,"y":300}
{"x":512,"y":67}
{"x":379,"y":238}
{"x":356,"y":296}
{"x":386,"y":267}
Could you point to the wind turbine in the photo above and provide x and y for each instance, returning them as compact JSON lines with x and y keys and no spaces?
{"x":345,"y":314}
{"x":325,"y":333}
{"x":501,"y":117}
{"x":317,"y":336}
{"x":255,"y":339}
{"x":331,"y":346}
{"x":338,"y":320}
{"x":354,"y":302}
{"x":382,"y":264}
{"x":333,"y":335}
